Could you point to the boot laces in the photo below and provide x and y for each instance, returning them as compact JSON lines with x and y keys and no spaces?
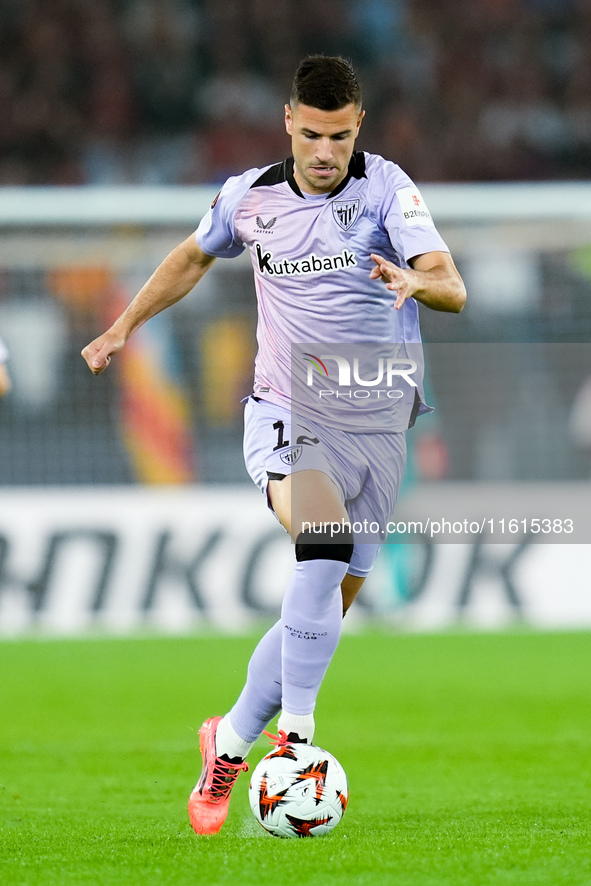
{"x":223,"y":777}
{"x":280,"y":741}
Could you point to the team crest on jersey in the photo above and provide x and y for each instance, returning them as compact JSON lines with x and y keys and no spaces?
{"x":345,"y":212}
{"x":291,"y":455}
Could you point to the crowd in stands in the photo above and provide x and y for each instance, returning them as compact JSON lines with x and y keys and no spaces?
{"x":189,"y":91}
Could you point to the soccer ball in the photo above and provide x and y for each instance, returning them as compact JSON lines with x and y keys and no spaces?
{"x":298,"y":790}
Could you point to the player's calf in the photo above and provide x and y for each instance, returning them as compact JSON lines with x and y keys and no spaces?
{"x":311,"y":617}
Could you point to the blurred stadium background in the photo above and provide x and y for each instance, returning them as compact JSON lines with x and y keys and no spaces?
{"x":119,"y":122}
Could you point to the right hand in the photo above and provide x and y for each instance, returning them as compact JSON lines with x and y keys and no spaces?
{"x":99,"y":352}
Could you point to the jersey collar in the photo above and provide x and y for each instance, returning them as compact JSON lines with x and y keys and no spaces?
{"x":356,"y":170}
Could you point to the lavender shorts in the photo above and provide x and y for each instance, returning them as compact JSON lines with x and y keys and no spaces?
{"x":367,"y":469}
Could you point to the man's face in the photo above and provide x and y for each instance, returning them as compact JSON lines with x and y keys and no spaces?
{"x":322,"y":143}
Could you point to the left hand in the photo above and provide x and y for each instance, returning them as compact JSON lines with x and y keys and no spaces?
{"x":402,"y":281}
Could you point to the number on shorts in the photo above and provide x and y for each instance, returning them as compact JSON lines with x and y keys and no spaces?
{"x":281,"y":443}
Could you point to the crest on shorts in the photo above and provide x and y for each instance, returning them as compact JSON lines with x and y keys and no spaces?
{"x":345,"y":212}
{"x":291,"y":455}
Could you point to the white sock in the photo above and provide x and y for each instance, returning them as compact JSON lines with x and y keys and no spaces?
{"x":227,"y":741}
{"x":302,"y":724}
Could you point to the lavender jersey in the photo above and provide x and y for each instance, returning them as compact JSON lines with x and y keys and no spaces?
{"x":330,"y":343}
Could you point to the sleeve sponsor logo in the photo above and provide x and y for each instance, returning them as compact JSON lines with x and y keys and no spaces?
{"x":413,"y":207}
{"x":310,"y":264}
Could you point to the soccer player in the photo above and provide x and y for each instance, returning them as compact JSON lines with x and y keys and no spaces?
{"x":5,"y":383}
{"x":343,"y":248}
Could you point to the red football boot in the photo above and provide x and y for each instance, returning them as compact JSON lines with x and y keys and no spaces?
{"x":210,"y":799}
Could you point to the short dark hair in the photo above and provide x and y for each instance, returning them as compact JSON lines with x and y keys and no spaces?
{"x":328,"y":83}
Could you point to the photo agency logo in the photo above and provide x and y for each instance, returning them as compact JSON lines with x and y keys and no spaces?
{"x":356,"y":378}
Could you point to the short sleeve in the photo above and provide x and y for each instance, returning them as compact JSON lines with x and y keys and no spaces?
{"x":405,"y":215}
{"x":216,"y":233}
{"x":3,"y":352}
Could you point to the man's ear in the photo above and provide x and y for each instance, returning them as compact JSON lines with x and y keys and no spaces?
{"x":288,"y":119}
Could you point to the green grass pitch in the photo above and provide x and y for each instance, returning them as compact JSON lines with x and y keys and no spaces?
{"x":468,"y":756}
